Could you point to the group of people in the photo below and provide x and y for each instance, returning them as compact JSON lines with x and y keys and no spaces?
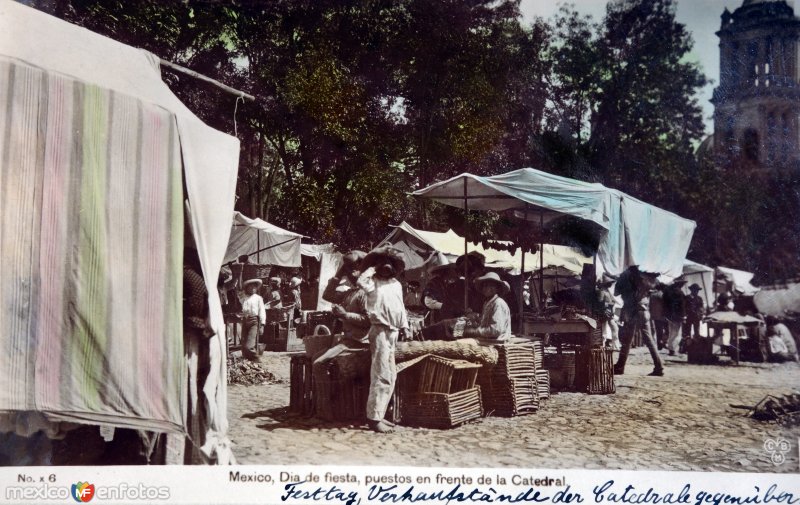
{"x":252,"y":298}
{"x":369,"y":302}
{"x":651,"y":308}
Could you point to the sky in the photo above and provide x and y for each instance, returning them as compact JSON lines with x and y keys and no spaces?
{"x":701,"y":17}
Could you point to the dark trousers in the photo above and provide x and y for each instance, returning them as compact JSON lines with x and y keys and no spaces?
{"x":641,"y":323}
{"x":250,"y":331}
{"x":691,"y":328}
{"x":661,"y":331}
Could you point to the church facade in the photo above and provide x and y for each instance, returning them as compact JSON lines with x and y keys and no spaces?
{"x":757,"y":102}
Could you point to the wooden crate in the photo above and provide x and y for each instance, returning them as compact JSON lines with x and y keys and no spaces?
{"x":442,"y":410}
{"x":300,"y":381}
{"x":443,"y":375}
{"x":543,"y":384}
{"x":336,"y":399}
{"x":594,"y":371}
{"x":562,"y":370}
{"x":701,"y":351}
{"x":509,"y":397}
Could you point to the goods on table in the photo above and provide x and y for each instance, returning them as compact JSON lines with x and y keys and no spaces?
{"x":442,"y":410}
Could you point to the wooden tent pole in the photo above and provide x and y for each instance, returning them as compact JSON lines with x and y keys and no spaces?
{"x":201,"y":77}
{"x":466,"y":259}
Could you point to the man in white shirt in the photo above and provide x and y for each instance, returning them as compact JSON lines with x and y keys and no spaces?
{"x":495,"y":322}
{"x":254,"y":317}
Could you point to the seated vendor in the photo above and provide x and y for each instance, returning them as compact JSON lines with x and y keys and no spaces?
{"x":495,"y":321}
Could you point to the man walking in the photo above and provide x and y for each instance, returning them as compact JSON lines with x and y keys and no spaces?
{"x":634,"y":287}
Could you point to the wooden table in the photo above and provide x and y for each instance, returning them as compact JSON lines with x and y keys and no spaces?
{"x":577,"y":332}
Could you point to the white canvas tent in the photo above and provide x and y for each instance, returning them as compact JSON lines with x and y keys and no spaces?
{"x":96,"y":143}
{"x":738,"y":280}
{"x":265,"y":243}
{"x":419,"y":244}
{"x":703,"y":276}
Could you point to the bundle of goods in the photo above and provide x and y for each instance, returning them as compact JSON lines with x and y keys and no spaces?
{"x":247,"y":373}
{"x":561,"y":367}
{"x":442,"y":410}
{"x":300,"y":398}
{"x":511,"y":388}
{"x":466,"y":349}
{"x":594,"y":371}
{"x":784,"y":409}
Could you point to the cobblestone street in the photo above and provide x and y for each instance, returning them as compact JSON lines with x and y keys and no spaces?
{"x":682,"y":421}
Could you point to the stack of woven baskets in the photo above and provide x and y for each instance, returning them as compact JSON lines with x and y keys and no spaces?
{"x":511,"y":387}
{"x":440,"y":393}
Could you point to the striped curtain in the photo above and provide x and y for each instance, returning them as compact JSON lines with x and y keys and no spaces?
{"x":91,"y":244}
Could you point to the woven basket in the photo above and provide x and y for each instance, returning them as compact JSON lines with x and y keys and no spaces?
{"x":469,"y":351}
{"x":562,"y":370}
{"x":442,"y":375}
{"x":442,"y":410}
{"x":510,"y":397}
{"x":353,"y":364}
{"x":300,"y":390}
{"x":543,"y":384}
{"x":319,"y":342}
{"x":595,"y":371}
{"x":515,"y":361}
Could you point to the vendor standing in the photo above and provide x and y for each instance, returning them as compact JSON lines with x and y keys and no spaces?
{"x":495,"y":322}
{"x":695,"y":310}
{"x":674,"y":312}
{"x":254,"y":317}
{"x":634,"y":287}
{"x":387,"y":316}
{"x":349,"y":302}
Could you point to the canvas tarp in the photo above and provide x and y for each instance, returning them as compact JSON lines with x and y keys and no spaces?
{"x":78,"y":110}
{"x":329,"y":262}
{"x":418,"y":245}
{"x":738,"y":280}
{"x":629,"y":231}
{"x":779,"y":300}
{"x":249,"y":236}
{"x":703,"y":276}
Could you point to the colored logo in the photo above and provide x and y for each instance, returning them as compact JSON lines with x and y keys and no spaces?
{"x":83,"y":492}
{"x":777,"y":449}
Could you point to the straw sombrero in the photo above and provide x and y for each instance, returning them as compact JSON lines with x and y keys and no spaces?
{"x":257,"y":282}
{"x":502,"y":285}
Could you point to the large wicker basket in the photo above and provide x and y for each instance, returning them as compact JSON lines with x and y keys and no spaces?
{"x":594,"y":371}
{"x":562,"y":370}
{"x":300,"y":390}
{"x":442,"y":410}
{"x":338,"y":399}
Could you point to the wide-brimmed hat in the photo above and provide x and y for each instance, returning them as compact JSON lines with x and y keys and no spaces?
{"x":679,"y":282}
{"x":385,"y":254}
{"x":295,"y":281}
{"x":354,"y":257}
{"x":476,"y":260}
{"x":695,"y":287}
{"x":502,"y":285}
{"x":257,"y":282}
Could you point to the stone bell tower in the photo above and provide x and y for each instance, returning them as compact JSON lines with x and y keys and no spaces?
{"x":757,"y":102}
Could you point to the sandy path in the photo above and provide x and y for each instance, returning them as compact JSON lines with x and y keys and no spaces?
{"x":682,"y":421}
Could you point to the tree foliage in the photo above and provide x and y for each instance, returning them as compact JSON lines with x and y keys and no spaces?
{"x":360,"y":102}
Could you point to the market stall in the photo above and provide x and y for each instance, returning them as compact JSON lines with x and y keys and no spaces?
{"x":100,"y":149}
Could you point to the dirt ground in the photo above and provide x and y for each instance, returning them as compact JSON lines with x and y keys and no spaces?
{"x":682,"y":421}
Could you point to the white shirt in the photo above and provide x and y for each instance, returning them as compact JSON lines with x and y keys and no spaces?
{"x":384,"y":300}
{"x":495,"y":319}
{"x":253,"y":305}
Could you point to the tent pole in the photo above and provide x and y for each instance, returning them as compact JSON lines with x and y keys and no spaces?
{"x":705,"y":293}
{"x":541,"y":257}
{"x":520,"y":300}
{"x":466,"y":262}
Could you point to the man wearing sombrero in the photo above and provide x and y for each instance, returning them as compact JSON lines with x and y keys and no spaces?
{"x":695,"y":310}
{"x":674,"y":312}
{"x":254,"y":317}
{"x":387,"y":316}
{"x":495,"y":323}
{"x":634,"y":286}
